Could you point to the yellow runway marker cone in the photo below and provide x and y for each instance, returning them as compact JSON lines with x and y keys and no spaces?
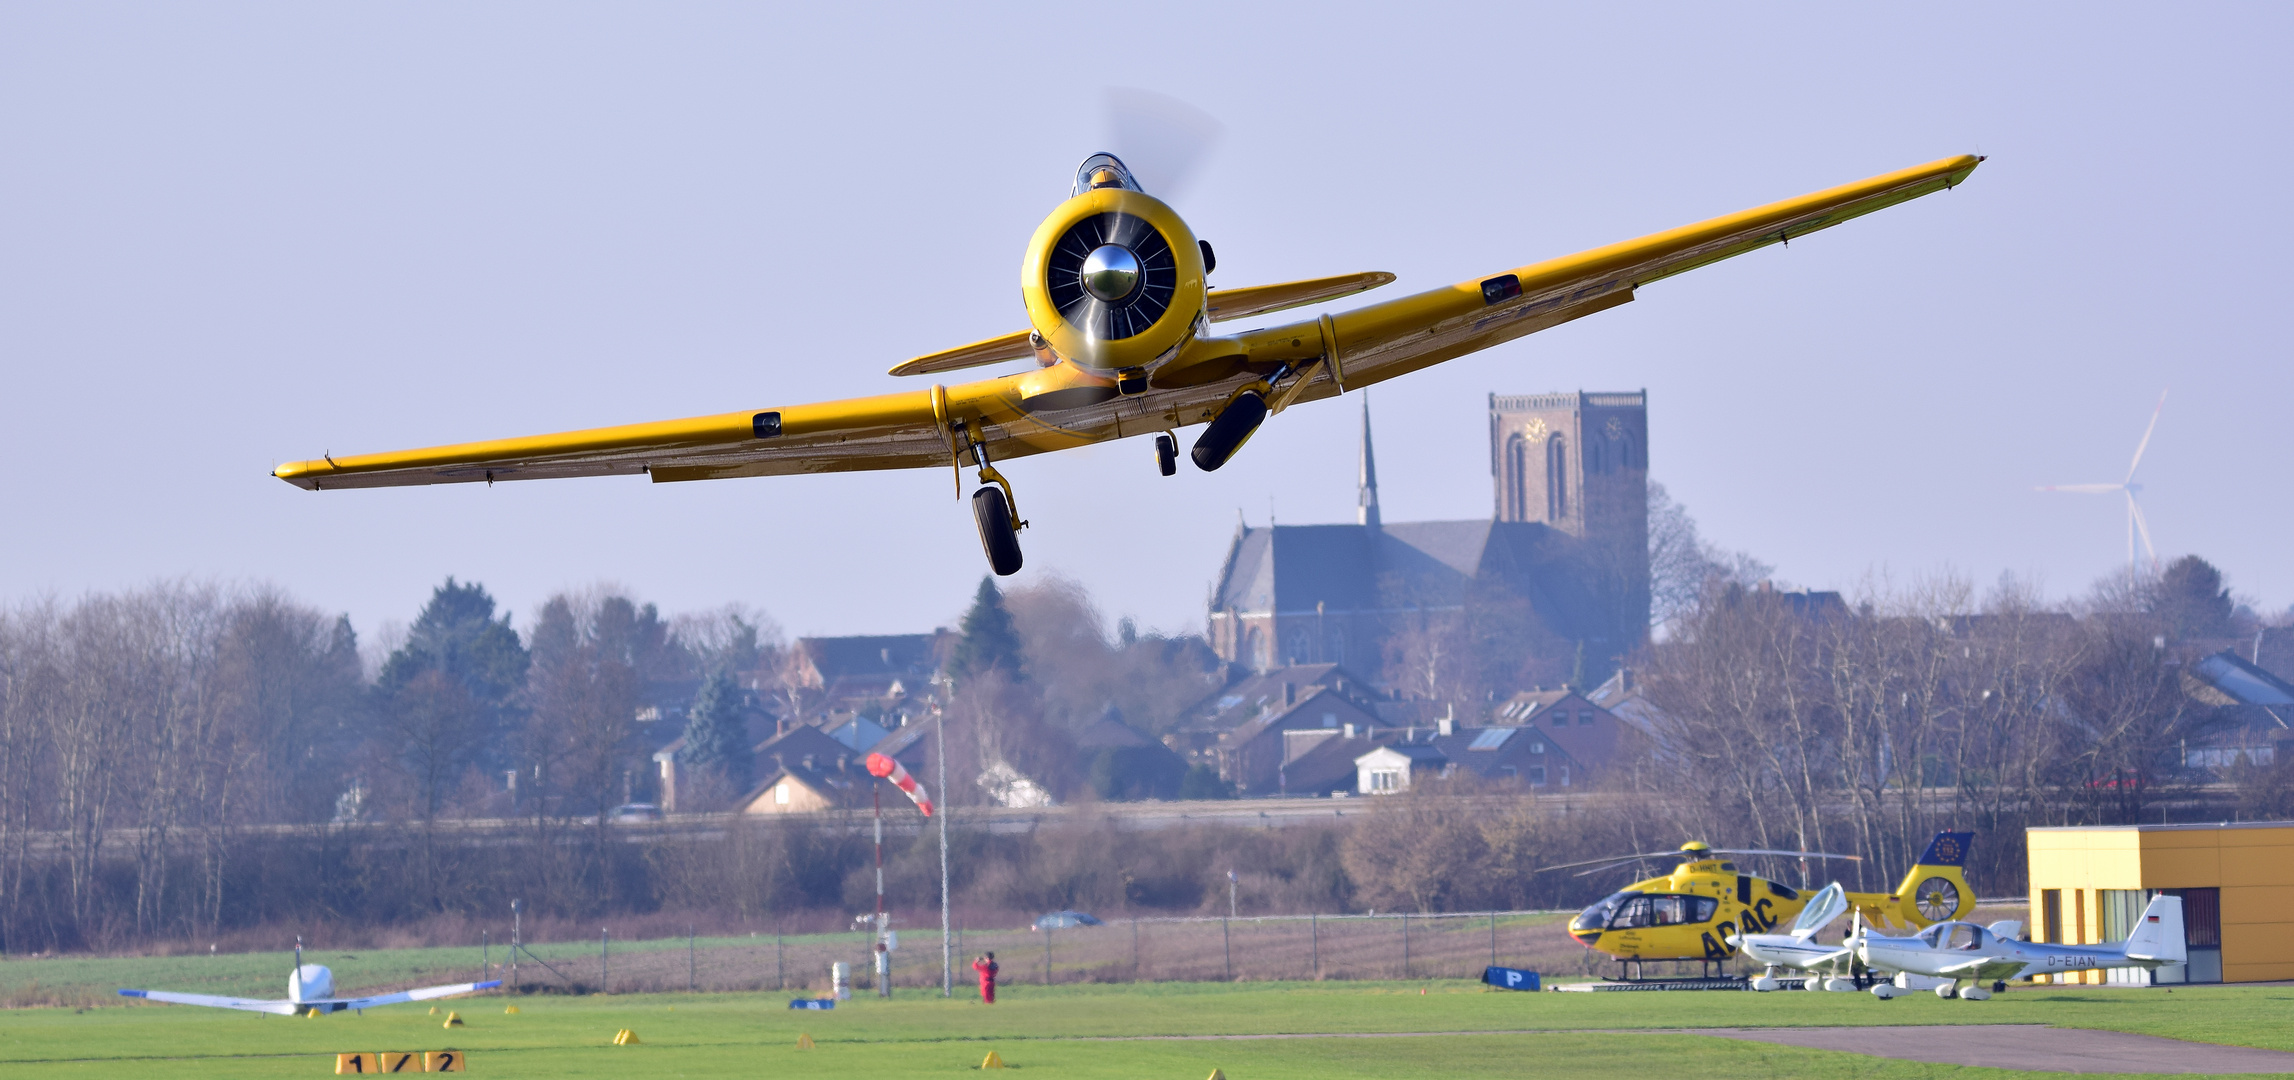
{"x":992,"y":1061}
{"x":804,"y":1041}
{"x":625,"y":1037}
{"x":511,"y":1011}
{"x":453,"y":1020}
{"x":1218,"y":1074}
{"x":434,"y":1010}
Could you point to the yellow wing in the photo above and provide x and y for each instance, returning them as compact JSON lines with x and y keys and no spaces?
{"x":1062,"y":406}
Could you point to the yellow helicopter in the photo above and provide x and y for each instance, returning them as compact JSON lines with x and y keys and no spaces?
{"x":1690,"y":914}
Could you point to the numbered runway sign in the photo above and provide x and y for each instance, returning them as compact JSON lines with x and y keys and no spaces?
{"x":442,"y":1061}
{"x":356,"y":1064}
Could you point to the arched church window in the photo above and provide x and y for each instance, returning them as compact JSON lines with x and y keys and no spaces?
{"x":1516,"y":479}
{"x":1556,"y":479}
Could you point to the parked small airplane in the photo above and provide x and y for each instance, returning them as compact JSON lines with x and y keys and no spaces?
{"x":1829,"y":967}
{"x":1975,"y":955}
{"x":310,"y":990}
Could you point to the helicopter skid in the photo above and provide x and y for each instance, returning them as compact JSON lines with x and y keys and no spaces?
{"x":1722,"y":982}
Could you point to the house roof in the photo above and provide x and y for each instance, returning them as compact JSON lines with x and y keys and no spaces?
{"x":869,"y":656}
{"x":2242,"y":682}
{"x":1289,"y":569}
{"x":1318,"y":700}
{"x":1247,"y":698}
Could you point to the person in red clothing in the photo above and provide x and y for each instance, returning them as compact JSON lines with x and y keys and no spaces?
{"x":986,"y":966}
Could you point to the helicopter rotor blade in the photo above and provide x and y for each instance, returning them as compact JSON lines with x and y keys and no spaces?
{"x":1791,"y":854}
{"x":1612,"y":859}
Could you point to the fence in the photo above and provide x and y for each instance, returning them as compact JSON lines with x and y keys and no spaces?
{"x":1254,"y":948}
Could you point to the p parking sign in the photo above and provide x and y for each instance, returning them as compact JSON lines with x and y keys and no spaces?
{"x":1510,"y":978}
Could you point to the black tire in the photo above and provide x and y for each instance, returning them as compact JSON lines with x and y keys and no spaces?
{"x":997,"y":537}
{"x":1228,"y":431}
{"x":1167,"y":453}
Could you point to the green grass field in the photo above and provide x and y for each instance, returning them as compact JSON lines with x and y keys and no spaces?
{"x":1067,"y":1032}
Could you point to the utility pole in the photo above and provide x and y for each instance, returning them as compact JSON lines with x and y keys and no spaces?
{"x":1230,"y":892}
{"x":947,"y":944}
{"x":883,"y":956}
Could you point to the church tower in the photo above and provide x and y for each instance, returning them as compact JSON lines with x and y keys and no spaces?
{"x":1579,"y":463}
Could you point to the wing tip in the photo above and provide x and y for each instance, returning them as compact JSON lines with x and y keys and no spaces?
{"x":487,"y":985}
{"x":135,"y":993}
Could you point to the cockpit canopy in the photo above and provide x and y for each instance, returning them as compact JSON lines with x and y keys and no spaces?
{"x":1631,"y":910}
{"x":1954,"y":935}
{"x":1103,"y":170}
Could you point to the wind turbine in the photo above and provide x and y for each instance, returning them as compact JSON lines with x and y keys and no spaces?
{"x":2136,"y":526}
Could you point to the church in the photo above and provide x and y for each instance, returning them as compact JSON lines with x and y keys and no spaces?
{"x":1568,"y":534}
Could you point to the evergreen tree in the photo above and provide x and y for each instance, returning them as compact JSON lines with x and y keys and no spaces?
{"x":2191,"y":599}
{"x":717,"y":732}
{"x":990,"y":642}
{"x":445,"y":695}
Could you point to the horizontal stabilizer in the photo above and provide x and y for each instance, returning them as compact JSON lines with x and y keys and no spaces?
{"x":995,"y":350}
{"x":1224,"y":304}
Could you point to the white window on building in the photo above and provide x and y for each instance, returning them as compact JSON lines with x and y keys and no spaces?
{"x":1385,"y":780}
{"x":781,"y":793}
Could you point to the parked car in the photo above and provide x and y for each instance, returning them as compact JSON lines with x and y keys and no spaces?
{"x":1061,"y":920}
{"x":635,"y":813}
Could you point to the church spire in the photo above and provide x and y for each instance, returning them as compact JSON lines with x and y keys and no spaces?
{"x":1366,"y":492}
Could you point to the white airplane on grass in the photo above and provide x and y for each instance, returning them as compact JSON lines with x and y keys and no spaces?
{"x":1975,"y":955}
{"x":310,"y":991}
{"x":1798,"y":947}
{"x":1836,"y":968}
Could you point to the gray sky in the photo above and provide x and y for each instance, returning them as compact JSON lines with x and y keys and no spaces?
{"x":237,"y":234}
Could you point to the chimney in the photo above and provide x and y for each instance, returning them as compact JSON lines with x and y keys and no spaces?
{"x":1449,"y":723}
{"x":1349,"y":731}
{"x":1289,"y":694}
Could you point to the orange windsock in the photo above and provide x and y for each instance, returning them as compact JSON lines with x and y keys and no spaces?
{"x":879,"y":765}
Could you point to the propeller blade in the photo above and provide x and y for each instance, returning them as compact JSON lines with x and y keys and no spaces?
{"x":1163,"y":139}
{"x":2143,"y":527}
{"x":2146,"y":443}
{"x":1794,"y":854}
{"x":2084,"y":489}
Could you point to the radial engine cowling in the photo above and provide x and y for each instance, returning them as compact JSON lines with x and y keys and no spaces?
{"x":1113,"y":279}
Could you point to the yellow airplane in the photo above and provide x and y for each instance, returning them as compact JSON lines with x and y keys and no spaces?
{"x":1120,"y":318}
{"x":1693,"y":912}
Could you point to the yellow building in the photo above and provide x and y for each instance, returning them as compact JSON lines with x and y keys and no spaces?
{"x":2089,"y":885}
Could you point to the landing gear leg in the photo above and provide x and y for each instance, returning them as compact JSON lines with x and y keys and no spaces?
{"x":996,"y":513}
{"x":1228,"y":431}
{"x":1167,"y":453}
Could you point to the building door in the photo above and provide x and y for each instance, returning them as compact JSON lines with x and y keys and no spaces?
{"x":2202,"y":937}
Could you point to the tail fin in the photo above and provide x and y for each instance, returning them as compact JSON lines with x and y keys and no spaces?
{"x":2159,"y":936}
{"x":1935,"y":890}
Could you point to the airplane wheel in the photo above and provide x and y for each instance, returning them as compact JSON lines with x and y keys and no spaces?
{"x":1228,"y":431}
{"x":994,"y":517}
{"x":1763,"y":983}
{"x":1974,"y":993}
{"x":1167,"y":453}
{"x":1812,"y":983}
{"x":1948,"y":991}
